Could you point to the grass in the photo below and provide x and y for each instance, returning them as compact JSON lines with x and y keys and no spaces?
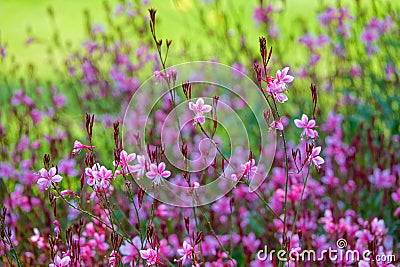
{"x":23,"y":19}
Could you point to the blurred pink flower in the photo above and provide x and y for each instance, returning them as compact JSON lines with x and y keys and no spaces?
{"x":185,"y":252}
{"x":278,"y":125}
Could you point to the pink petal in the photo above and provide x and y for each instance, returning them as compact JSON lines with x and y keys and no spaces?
{"x":144,"y":254}
{"x":151,"y":174}
{"x":316,"y":151}
{"x":56,"y":178}
{"x":180,"y":251}
{"x":43,"y":182}
{"x":201,"y":119}
{"x":318,"y":160}
{"x":298,"y":123}
{"x":131,"y":157}
{"x":153,"y":168}
{"x":279,"y":125}
{"x":278,"y":74}
{"x":192,"y":106}
{"x":161,"y":167}
{"x":123,"y":155}
{"x":288,"y":79}
{"x":77,"y":144}
{"x":126,"y":249}
{"x":52,"y":171}
{"x":166,"y":174}
{"x":91,"y":181}
{"x":43,"y":172}
{"x":304,"y":119}
{"x":311,"y":124}
{"x":57,"y":260}
{"x":65,"y":261}
{"x":309,"y":132}
{"x":285,"y":70}
{"x":206,"y":108}
{"x":281,"y":98}
{"x":199,"y":103}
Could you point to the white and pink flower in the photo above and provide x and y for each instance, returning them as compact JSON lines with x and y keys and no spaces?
{"x":46,"y":178}
{"x":157,"y":173}
{"x":199,"y":108}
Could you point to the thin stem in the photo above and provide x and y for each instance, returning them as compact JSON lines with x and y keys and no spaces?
{"x":301,"y":199}
{"x":215,"y":234}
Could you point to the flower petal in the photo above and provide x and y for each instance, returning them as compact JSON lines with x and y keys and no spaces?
{"x":43,"y":173}
{"x":298,"y":123}
{"x":201,"y":119}
{"x":199,"y":103}
{"x":52,"y":171}
{"x":166,"y":174}
{"x":65,"y":261}
{"x":304,"y":119}
{"x":151,"y":174}
{"x":318,"y":161}
{"x":161,"y":167}
{"x":192,"y":106}
{"x":144,"y":254}
{"x":206,"y":108}
{"x":43,"y":182}
{"x":56,"y":178}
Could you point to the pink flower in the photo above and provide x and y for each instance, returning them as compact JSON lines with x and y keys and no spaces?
{"x":275,"y":89}
{"x":282,"y":77}
{"x":199,"y":109}
{"x":60,"y":262}
{"x":98,"y":177}
{"x":251,"y":242}
{"x":382,"y":179}
{"x":37,"y":239}
{"x":160,"y":76}
{"x":278,"y":125}
{"x":124,"y":160}
{"x":315,"y":158}
{"x":78,"y":146}
{"x":369,"y":36}
{"x":150,"y":255}
{"x":140,"y":168}
{"x":130,"y":251}
{"x":185,"y":252}
{"x":3,"y":51}
{"x":249,"y":168}
{"x":307,"y":125}
{"x":364,"y":236}
{"x":48,"y":177}
{"x":103,"y":177}
{"x":277,"y":85}
{"x":396,"y":196}
{"x":113,"y":259}
{"x":156,"y":173}
{"x":90,"y":173}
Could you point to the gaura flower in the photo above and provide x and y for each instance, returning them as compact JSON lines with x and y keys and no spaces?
{"x":156,"y":173}
{"x":48,"y":177}
{"x":199,"y":108}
